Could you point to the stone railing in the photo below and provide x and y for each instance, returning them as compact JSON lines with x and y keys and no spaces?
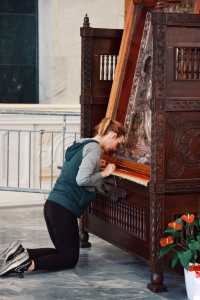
{"x":32,"y":145}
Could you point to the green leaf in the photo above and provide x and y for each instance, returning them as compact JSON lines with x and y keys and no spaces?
{"x":179,"y":221}
{"x":185,"y":258}
{"x":194,"y":245}
{"x":174,"y":260}
{"x":196,"y":223}
{"x":172,"y":232}
{"x":167,"y":249}
{"x":198,"y":237}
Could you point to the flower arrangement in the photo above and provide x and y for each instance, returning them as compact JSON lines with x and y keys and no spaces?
{"x":182,"y":238}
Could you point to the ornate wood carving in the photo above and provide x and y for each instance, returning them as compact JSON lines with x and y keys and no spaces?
{"x":160,"y":150}
{"x":175,"y":161}
{"x":86,"y":76}
{"x":127,"y":216}
{"x":159,"y":69}
{"x":178,"y":105}
{"x":183,"y":152}
{"x":138,"y":116}
{"x":156,"y":227}
{"x":183,"y":186}
{"x":86,"y":60}
{"x":174,"y":19}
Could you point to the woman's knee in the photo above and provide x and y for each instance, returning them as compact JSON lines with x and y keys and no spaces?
{"x":70,"y":261}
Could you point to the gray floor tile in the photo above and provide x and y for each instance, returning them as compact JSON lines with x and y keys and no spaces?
{"x":103,"y":272}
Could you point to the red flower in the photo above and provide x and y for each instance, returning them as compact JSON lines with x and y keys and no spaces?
{"x":195,"y":268}
{"x":166,"y":241}
{"x":188,"y":218}
{"x":175,"y":226}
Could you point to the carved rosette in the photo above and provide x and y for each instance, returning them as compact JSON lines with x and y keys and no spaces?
{"x":185,"y":146}
{"x":189,"y":141}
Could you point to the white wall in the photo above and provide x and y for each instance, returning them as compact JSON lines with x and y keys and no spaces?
{"x":59,"y":44}
{"x":59,"y":70}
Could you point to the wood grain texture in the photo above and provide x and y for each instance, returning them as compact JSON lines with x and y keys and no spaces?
{"x":122,"y":61}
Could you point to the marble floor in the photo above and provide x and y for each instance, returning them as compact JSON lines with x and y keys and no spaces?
{"x":103,"y":272}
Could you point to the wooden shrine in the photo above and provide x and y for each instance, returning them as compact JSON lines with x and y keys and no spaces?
{"x":148,"y":77}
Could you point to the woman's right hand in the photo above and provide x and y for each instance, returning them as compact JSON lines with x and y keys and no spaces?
{"x":108,"y":170}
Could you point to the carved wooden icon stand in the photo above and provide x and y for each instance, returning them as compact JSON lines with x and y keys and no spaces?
{"x":173,"y":186}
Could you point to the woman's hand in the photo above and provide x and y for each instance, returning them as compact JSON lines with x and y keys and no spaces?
{"x":108,"y":170}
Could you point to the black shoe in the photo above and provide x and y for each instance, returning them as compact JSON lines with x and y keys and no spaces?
{"x":18,"y":264}
{"x":11,"y":251}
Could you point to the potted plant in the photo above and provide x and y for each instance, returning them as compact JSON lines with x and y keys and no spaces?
{"x":182,"y":239}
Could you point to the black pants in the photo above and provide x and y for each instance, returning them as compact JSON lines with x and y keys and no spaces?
{"x":63,"y":229}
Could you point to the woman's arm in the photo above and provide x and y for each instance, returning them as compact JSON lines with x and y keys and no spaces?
{"x":89,"y":171}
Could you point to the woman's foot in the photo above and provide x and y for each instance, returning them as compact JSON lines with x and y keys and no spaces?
{"x":31,"y":267}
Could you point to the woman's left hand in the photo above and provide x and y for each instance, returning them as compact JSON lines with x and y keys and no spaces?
{"x":108,"y":170}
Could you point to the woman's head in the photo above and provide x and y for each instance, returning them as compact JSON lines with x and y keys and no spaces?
{"x":110,"y":134}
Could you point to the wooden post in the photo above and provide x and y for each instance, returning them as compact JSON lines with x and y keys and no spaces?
{"x":121,"y":63}
{"x":127,"y":3}
{"x":147,"y":3}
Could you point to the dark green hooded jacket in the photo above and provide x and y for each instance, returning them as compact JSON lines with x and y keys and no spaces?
{"x":66,"y":191}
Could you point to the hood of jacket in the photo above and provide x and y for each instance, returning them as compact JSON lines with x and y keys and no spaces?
{"x":74,"y":148}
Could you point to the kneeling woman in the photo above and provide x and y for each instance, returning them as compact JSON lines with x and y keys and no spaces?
{"x":70,"y":196}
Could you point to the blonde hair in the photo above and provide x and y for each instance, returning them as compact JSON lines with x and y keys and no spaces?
{"x":107,"y":124}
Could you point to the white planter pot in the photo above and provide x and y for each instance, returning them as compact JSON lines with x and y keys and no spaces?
{"x":192,"y":284}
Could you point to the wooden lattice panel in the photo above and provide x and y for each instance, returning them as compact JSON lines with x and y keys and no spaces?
{"x":129,"y":217}
{"x":187,"y":62}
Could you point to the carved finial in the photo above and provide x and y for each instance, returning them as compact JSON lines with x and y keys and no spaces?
{"x":86,"y":22}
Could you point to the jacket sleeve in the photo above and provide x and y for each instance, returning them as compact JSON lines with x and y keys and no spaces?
{"x":89,"y":172}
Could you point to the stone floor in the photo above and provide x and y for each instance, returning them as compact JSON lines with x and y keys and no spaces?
{"x":103,"y":272}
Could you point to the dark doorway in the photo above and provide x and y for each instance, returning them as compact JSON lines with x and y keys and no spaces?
{"x":18,"y":51}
